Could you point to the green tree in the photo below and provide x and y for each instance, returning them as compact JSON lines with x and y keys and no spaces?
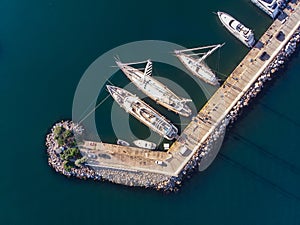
{"x":60,"y":141}
{"x":67,"y":166}
{"x":67,"y":134}
{"x":58,"y":130}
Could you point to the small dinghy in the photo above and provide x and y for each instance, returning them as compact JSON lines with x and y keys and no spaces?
{"x":145,"y":144}
{"x":122,"y":142}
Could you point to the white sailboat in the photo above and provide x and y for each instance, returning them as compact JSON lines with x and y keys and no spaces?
{"x":153,"y":88}
{"x":196,"y":65}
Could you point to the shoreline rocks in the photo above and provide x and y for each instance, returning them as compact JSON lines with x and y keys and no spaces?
{"x":158,"y":181}
{"x":268,"y":74}
{"x":143,"y":179}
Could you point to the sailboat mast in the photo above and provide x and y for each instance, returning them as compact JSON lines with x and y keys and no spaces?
{"x":210,"y":52}
{"x":133,"y":63}
{"x":148,"y":68}
{"x":194,"y":49}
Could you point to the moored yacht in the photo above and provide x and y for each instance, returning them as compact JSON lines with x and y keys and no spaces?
{"x":196,"y":65}
{"x":270,"y":7}
{"x":154,"y":89}
{"x":241,"y":32}
{"x":143,"y":112}
{"x":145,"y":144}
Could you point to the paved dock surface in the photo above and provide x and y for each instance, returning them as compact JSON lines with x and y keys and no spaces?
{"x":171,"y":163}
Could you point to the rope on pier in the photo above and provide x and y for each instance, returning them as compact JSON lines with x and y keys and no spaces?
{"x":219,"y":73}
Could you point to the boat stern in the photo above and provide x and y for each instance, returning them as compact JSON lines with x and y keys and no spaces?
{"x":251,"y":41}
{"x":186,"y":110}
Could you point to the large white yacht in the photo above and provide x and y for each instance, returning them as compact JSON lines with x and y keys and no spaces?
{"x":241,"y":32}
{"x":143,"y":112}
{"x":270,"y":7}
{"x":154,"y":89}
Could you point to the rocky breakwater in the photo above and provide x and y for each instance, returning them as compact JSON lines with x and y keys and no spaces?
{"x":75,"y":166}
{"x":268,"y":74}
{"x":65,"y":158}
{"x":192,"y":165}
{"x":63,"y":153}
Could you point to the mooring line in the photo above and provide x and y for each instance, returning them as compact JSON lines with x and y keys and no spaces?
{"x":94,"y":109}
{"x":91,"y":105}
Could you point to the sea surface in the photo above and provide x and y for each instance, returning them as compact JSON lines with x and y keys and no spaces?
{"x":46,"y":46}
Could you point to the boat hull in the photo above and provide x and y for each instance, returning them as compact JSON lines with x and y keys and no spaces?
{"x":232,"y":25}
{"x":156,"y":90}
{"x":210,"y":78}
{"x":271,"y":9}
{"x":144,"y":144}
{"x":122,"y":142}
{"x":143,"y":112}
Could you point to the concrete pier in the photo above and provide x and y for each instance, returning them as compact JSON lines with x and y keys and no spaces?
{"x":211,"y":118}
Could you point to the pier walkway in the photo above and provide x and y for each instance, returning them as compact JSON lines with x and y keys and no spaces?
{"x":171,"y":163}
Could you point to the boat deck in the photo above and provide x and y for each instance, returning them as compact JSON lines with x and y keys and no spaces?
{"x":158,"y":92}
{"x":209,"y":117}
{"x":206,"y":74}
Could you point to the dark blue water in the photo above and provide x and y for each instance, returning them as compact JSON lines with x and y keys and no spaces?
{"x":45,"y":47}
